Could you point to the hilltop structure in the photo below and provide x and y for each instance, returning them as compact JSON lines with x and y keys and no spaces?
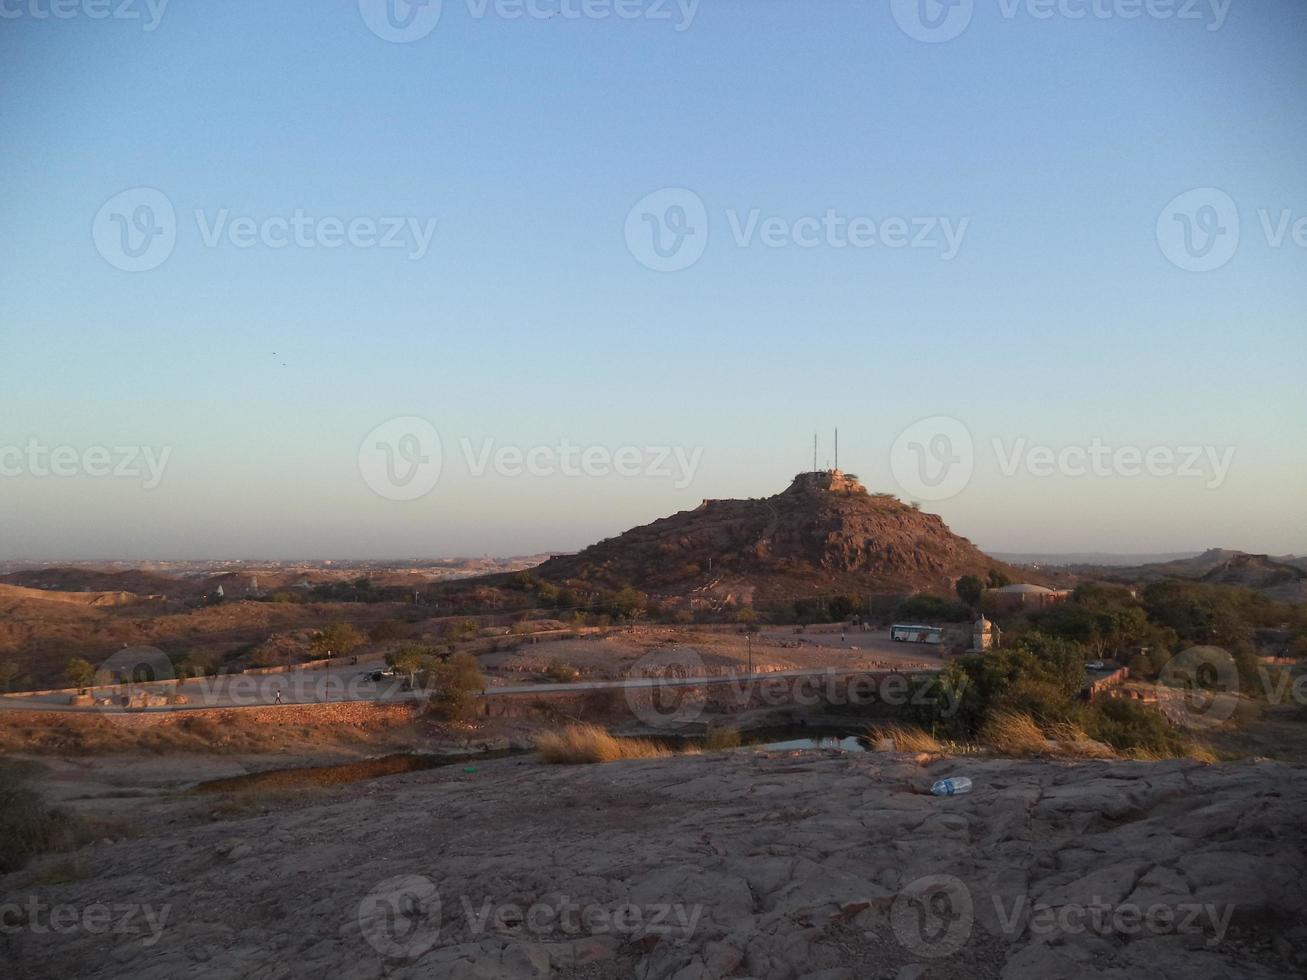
{"x":824,"y":534}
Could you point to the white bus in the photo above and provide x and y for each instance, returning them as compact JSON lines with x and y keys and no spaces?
{"x":917,"y":634}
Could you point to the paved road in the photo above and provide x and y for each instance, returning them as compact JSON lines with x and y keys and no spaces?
{"x":351,"y":684}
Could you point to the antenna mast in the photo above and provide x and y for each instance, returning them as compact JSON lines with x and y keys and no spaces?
{"x":837,"y":447}
{"x":814,"y":452}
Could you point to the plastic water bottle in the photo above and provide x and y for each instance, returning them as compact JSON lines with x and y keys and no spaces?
{"x":953,"y":786}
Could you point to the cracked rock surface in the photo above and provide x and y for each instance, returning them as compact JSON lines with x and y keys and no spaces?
{"x":796,"y":866}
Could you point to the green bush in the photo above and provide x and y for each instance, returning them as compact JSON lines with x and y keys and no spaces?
{"x":932,"y":608}
{"x":458,"y":681}
{"x":561,"y":673}
{"x":1128,"y":725}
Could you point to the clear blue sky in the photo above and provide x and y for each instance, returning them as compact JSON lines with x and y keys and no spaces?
{"x":528,"y":321}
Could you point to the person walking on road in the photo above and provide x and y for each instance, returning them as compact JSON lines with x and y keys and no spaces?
{"x":278,"y":701}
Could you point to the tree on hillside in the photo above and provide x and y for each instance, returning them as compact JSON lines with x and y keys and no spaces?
{"x":8,"y":674}
{"x":338,"y":640}
{"x":625,"y":604}
{"x":841,"y":607}
{"x":997,"y":579}
{"x":969,"y":590}
{"x":80,"y":673}
{"x":464,"y":629}
{"x":409,"y":660}
{"x":458,"y":680}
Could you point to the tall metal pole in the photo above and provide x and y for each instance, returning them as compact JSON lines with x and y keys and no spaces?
{"x":837,"y":447}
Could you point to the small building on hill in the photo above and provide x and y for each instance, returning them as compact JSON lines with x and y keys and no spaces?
{"x":984,"y":635}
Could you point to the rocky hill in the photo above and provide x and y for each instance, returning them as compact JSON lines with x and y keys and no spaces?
{"x":1272,"y":578}
{"x":778,"y":866}
{"x":822,"y":535}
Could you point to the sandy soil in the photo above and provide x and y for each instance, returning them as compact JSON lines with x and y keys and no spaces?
{"x":613,"y":655}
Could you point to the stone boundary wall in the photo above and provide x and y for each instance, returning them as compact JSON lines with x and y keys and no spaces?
{"x":1115,"y":679}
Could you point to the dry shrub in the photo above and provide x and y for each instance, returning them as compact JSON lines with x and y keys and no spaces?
{"x":28,"y":826}
{"x":1015,"y":733}
{"x":578,"y":744}
{"x":1072,"y":740}
{"x":561,"y":672}
{"x":720,"y":739}
{"x":906,"y":738}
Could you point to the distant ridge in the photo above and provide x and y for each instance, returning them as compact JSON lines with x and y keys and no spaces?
{"x":1104,"y":558}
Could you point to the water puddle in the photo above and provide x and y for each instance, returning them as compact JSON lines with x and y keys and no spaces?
{"x":339,"y":774}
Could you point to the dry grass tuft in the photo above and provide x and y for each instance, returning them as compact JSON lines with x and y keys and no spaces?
{"x":905,"y":738}
{"x":579,"y":744}
{"x":1016,"y":734}
{"x":719,"y":739}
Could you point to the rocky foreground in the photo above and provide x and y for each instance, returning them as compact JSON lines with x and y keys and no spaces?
{"x":814,"y":865}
